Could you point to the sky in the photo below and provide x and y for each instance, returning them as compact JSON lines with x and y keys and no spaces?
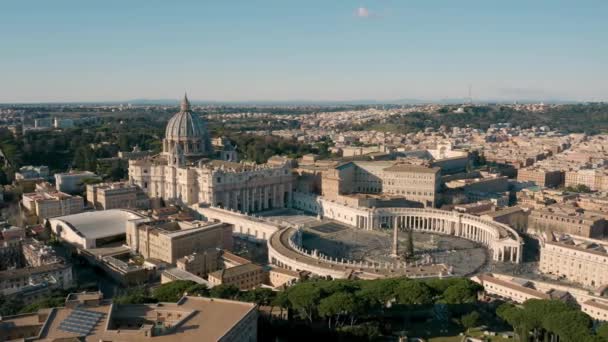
{"x":288,"y":50}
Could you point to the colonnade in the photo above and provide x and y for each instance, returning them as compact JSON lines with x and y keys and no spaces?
{"x":503,"y":241}
{"x":254,"y":199}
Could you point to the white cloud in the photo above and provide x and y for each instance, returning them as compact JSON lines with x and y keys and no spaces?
{"x":363,"y":12}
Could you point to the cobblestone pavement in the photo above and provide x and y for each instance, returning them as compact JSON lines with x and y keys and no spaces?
{"x":344,"y":242}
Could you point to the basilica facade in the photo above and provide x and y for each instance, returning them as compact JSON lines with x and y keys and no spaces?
{"x":187,"y":171}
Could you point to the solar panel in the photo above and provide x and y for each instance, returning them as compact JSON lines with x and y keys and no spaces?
{"x":80,"y":321}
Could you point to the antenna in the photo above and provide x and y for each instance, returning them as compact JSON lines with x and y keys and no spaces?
{"x":470,"y":98}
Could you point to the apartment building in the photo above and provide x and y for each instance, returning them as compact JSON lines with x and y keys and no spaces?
{"x":519,"y":290}
{"x":568,"y":220}
{"x":541,"y":176}
{"x":32,"y":172}
{"x":595,"y":179}
{"x":73,"y":181}
{"x":112,"y":195}
{"x":593,"y":202}
{"x":245,"y":277}
{"x":47,"y":204}
{"x":169,"y":241}
{"x":414,"y":182}
{"x":200,"y":263}
{"x":578,"y":260}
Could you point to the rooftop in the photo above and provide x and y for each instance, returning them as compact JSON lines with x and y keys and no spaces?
{"x":235,"y":271}
{"x":412,"y":168}
{"x":98,"y":224}
{"x":190,"y":319}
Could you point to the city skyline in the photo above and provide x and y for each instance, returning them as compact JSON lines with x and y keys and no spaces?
{"x":349,"y":51}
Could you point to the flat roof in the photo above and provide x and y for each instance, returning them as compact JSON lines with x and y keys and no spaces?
{"x":412,"y":168}
{"x":100,"y":224}
{"x":207,"y":319}
{"x":185,"y":275}
{"x":512,"y":285}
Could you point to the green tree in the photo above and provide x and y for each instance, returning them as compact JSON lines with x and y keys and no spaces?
{"x":470,"y":320}
{"x":3,"y":177}
{"x":260,"y":296}
{"x":339,"y":306}
{"x":224,"y":291}
{"x":200,"y":290}
{"x":378,"y":293}
{"x":10,"y":306}
{"x":465,"y":291}
{"x":134,"y":296}
{"x":602,"y":331}
{"x":282,"y":301}
{"x":173,"y":291}
{"x":304,"y":298}
{"x":413,"y":292}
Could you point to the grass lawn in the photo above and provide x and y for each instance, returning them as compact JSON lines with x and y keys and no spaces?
{"x":476,"y":332}
{"x":446,"y":339}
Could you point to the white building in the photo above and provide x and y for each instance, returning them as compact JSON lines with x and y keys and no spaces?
{"x":63,"y":123}
{"x":72,"y":181}
{"x":32,"y":172}
{"x":46,"y":204}
{"x":95,"y":228}
{"x":183,"y":174}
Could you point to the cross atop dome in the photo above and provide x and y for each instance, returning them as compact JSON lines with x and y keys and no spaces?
{"x":185,"y":105}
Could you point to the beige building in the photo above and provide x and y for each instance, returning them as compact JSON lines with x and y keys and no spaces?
{"x":190,"y":319}
{"x":73,"y":181}
{"x":181,"y":173}
{"x":412,"y":182}
{"x":541,"y":177}
{"x":578,"y":260}
{"x":112,"y":195}
{"x":595,"y":179}
{"x":519,"y":290}
{"x":170,"y":241}
{"x":569,"y":220}
{"x":514,"y":217}
{"x":246,"y":276}
{"x":593,"y":202}
{"x":281,"y":277}
{"x":200,"y":263}
{"x":511,"y":290}
{"x":57,"y":275}
{"x":47,"y":204}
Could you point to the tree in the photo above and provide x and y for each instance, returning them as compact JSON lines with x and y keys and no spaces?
{"x":134,"y":296}
{"x":282,"y":301}
{"x":413,"y":292}
{"x":602,"y":331}
{"x":224,"y":291}
{"x":260,"y":296}
{"x":369,"y":331}
{"x":3,"y":177}
{"x":173,"y":291}
{"x":10,"y":306}
{"x":465,"y":291}
{"x":470,"y":320}
{"x":339,"y":305}
{"x":379,"y":292}
{"x":304,"y":297}
{"x":580,"y":188}
{"x":200,"y":290}
{"x":570,"y":326}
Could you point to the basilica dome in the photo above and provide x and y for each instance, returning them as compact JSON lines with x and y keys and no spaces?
{"x":189,"y":131}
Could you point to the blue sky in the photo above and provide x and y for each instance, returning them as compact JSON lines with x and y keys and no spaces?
{"x":303,"y":50}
